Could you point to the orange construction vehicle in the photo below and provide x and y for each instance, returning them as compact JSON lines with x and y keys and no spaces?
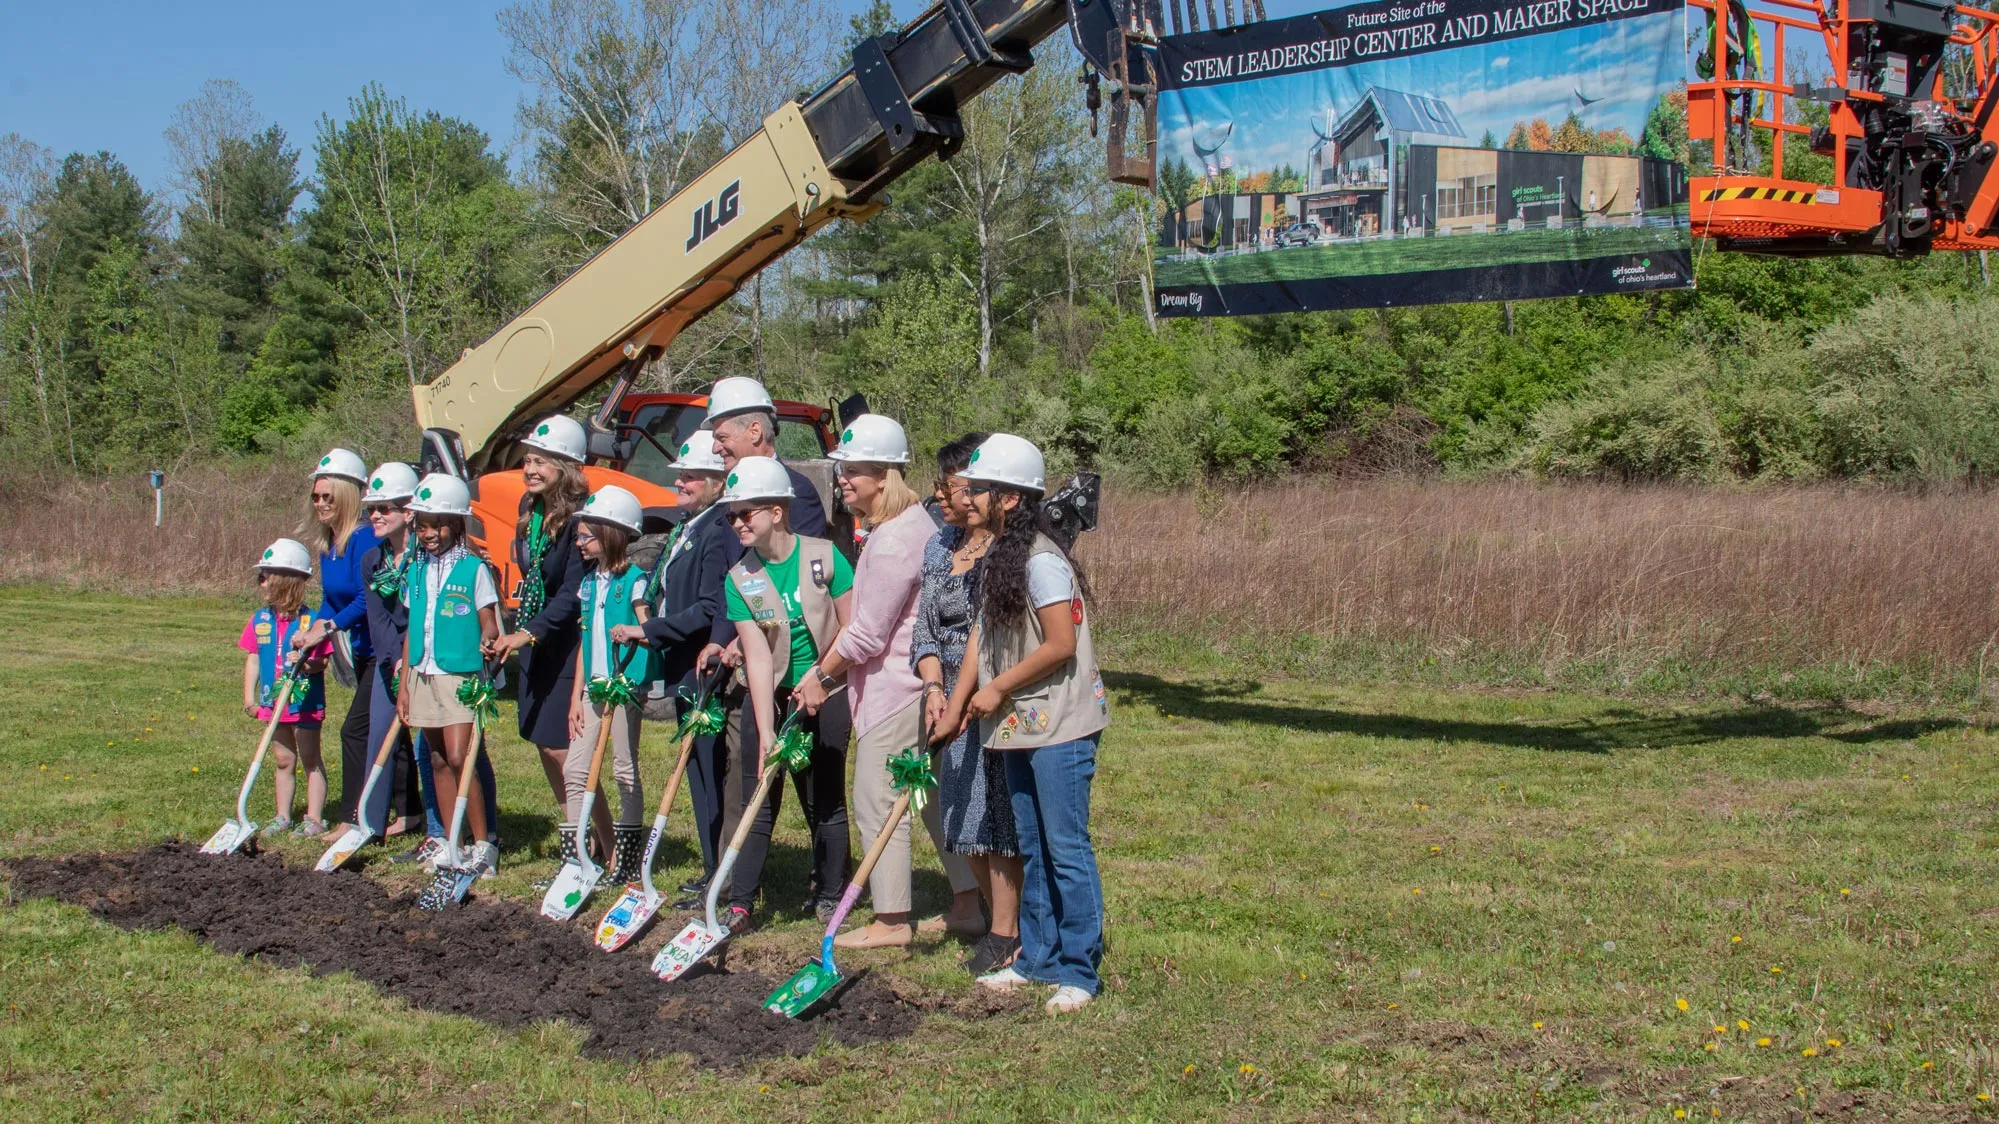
{"x":1907,"y":120}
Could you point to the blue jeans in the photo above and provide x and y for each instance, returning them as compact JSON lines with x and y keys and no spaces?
{"x":1061,"y":895}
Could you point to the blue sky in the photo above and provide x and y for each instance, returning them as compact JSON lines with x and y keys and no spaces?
{"x":1626,"y":64}
{"x":83,"y":75}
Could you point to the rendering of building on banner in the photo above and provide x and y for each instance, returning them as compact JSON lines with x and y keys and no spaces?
{"x":1335,"y":188}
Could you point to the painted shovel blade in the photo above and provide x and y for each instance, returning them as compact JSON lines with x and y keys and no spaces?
{"x":228,"y":837}
{"x":628,"y":917}
{"x":442,"y":891}
{"x":571,"y":888}
{"x":686,"y":950}
{"x":806,"y":986}
{"x":343,"y":849}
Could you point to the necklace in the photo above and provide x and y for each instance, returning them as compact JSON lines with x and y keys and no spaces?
{"x":966,"y":553}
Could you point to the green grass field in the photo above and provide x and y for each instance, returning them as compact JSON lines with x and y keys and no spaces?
{"x":1416,"y":255}
{"x":1326,"y":903}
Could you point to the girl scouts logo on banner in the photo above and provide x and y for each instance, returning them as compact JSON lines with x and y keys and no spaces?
{"x":1423,"y":151}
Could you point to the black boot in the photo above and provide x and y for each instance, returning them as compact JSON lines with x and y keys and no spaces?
{"x":566,"y":838}
{"x":628,"y":849}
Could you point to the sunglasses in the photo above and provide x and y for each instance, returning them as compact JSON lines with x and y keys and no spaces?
{"x":849,"y":469}
{"x":742,"y":516}
{"x":322,"y":497}
{"x":980,"y":489}
{"x":375,"y":509}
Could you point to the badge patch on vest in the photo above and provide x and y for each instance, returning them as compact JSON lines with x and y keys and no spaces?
{"x":1036,"y":720}
{"x":1103,"y":704}
{"x":763,"y":614}
{"x":1076,"y":610}
{"x":819,"y":572}
{"x":1007,"y":728}
{"x":755,"y":585}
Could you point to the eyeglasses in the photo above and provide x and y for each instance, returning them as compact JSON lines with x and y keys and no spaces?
{"x":850,"y":469}
{"x":322,"y":497}
{"x":583,"y":536}
{"x":980,"y":489}
{"x":375,"y":509}
{"x":741,"y":516}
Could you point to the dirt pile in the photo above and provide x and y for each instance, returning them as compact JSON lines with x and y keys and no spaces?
{"x":492,"y":961}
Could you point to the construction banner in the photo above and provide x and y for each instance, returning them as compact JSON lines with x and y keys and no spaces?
{"x":1421,"y":152}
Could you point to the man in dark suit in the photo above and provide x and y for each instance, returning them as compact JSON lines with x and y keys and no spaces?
{"x":685,"y":591}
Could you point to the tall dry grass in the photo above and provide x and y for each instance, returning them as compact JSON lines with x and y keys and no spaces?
{"x":98,"y":534}
{"x":1570,"y":573}
{"x":1554,"y":575}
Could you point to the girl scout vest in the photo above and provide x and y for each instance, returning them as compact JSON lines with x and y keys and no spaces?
{"x":457,"y":617}
{"x":815,"y":571}
{"x":274,"y":646}
{"x":618,"y":611}
{"x":1068,"y":704}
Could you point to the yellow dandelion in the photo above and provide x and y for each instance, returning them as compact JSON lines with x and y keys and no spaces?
{"x":1742,"y":1024}
{"x":1416,"y":890}
{"x":1929,"y":1065}
{"x":1393,"y":1006}
{"x":1776,"y":971}
{"x":1188,"y":1070}
{"x":1680,"y":1003}
{"x":1809,"y":1052}
{"x":1679,"y":1114}
{"x":149,"y":729}
{"x":1735,"y":940}
{"x":1301,"y":975}
{"x":65,"y":776}
{"x":45,"y":768}
{"x":1905,"y":776}
{"x":1984,"y":1096}
{"x":1720,"y":1029}
{"x":1435,"y":850}
{"x":1709,"y":1047}
{"x":1762,"y":1042}
{"x":1833,"y":1042}
{"x":1845,"y":892}
{"x":1245,"y":1069}
{"x":190,"y":718}
{"x":1537,"y":1026}
{"x":194,"y":768}
{"x":763,"y":1088}
{"x":110,"y":743}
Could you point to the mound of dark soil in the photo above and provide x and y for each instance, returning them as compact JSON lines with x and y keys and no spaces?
{"x":487,"y":960}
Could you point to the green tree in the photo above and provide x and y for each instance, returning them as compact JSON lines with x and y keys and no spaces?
{"x":1665,"y":133}
{"x":1176,"y":183}
{"x":232,"y":233}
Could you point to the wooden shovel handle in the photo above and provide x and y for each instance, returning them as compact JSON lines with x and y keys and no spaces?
{"x":750,"y":810}
{"x":603,"y":739}
{"x":388,"y":742}
{"x":679,"y":770}
{"x":880,"y":844}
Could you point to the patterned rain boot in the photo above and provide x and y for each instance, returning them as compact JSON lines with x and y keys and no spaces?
{"x":629,"y":851}
{"x":566,"y":837}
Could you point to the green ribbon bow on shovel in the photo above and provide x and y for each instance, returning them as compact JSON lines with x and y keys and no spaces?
{"x":909,"y":771}
{"x":481,"y":698}
{"x":792,"y":748}
{"x":700,"y":720}
{"x":614,"y":691}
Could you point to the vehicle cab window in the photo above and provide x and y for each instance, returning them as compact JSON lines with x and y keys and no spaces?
{"x":669,"y":425}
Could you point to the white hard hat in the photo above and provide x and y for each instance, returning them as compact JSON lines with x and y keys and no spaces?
{"x":441,"y":493}
{"x":561,"y":436}
{"x":698,"y":454}
{"x":734,"y":395}
{"x":1006,"y":459}
{"x":342,"y":463}
{"x":757,"y":478}
{"x":289,"y":555}
{"x":873,"y":439}
{"x":612,"y":504}
{"x":392,"y":481}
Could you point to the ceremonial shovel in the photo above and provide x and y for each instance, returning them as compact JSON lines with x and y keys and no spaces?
{"x":234,"y":833}
{"x":698,"y":940}
{"x":634,"y":909}
{"x":813,"y":982}
{"x":344,"y":847}
{"x":575,"y":881}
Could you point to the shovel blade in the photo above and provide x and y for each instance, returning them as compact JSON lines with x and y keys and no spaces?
{"x":228,"y":837}
{"x":343,"y":849}
{"x":806,"y":986}
{"x":628,"y":917}
{"x":685,"y":951}
{"x":571,"y":888}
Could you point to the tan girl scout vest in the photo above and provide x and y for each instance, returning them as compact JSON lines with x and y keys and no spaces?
{"x":815,"y":573}
{"x":1068,"y":704}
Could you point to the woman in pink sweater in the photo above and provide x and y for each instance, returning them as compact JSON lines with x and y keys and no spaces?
{"x":887,"y":696}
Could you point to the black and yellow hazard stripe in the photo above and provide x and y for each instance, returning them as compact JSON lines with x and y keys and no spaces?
{"x":1773,"y":194}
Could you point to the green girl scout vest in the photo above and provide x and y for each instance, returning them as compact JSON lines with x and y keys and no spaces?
{"x":457,"y":617}
{"x":1067,"y":705}
{"x":617,"y":612}
{"x":815,"y":603}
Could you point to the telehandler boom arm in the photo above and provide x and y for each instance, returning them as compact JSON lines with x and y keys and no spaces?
{"x":827,"y":158}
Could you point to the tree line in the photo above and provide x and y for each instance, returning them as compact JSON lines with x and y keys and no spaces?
{"x":276,"y":295}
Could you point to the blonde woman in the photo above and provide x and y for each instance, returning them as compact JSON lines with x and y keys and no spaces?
{"x":336,"y":531}
{"x":872,"y":652}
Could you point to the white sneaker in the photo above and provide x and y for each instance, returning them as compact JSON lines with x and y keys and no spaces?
{"x":486,"y":857}
{"x":1006,"y":979}
{"x":446,"y":858}
{"x":1067,"y":999}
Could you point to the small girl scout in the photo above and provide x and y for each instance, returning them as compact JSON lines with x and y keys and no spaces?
{"x":282,"y":574}
{"x":453,"y":613}
{"x":614,"y":593}
{"x":1039,"y":700}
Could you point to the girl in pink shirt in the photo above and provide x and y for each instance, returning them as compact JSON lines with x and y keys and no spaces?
{"x":282,"y":574}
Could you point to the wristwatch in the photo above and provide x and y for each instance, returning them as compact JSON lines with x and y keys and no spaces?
{"x":826,"y":681}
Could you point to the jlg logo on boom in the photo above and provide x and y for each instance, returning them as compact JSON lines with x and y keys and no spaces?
{"x":715,"y":214}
